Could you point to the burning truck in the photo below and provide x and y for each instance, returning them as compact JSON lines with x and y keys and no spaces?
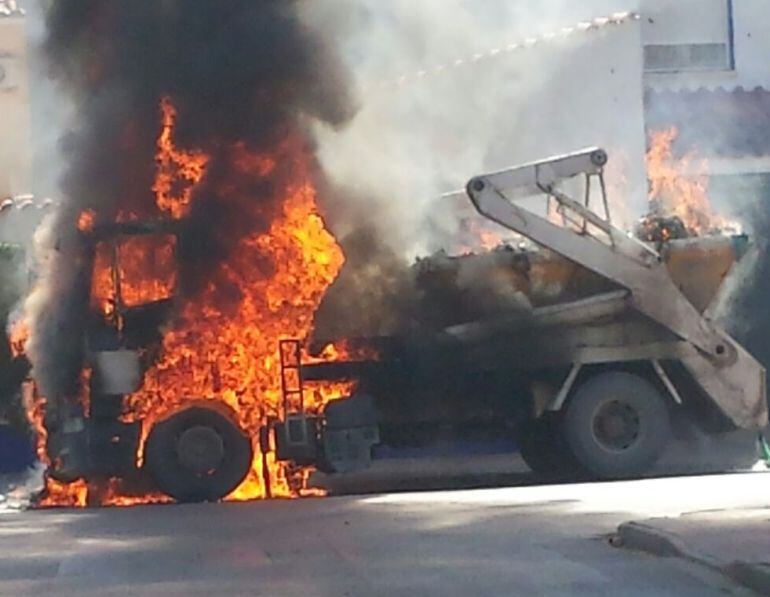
{"x":585,"y":347}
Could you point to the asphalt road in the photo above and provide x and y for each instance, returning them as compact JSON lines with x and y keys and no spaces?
{"x":526,"y":541}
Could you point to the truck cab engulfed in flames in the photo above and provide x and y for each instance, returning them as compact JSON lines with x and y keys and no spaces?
{"x":129,"y":272}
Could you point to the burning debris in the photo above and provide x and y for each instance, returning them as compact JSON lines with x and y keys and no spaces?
{"x":678,"y":194}
{"x":658,"y":229}
{"x":679,"y":198}
{"x":192,"y":117}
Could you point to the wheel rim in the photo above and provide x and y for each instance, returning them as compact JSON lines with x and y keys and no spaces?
{"x":616,"y":425}
{"x":200,"y":449}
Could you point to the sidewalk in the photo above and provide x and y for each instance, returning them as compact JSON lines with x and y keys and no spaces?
{"x":734,"y":542}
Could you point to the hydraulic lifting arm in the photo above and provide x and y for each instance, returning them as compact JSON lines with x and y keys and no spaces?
{"x":732,"y":378}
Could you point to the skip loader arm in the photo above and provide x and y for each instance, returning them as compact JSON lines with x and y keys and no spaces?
{"x":729,"y":375}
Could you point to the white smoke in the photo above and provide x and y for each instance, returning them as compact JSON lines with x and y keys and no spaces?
{"x":51,"y":109}
{"x":412,"y":141}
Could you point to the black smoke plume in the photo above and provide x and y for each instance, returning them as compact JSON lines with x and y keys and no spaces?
{"x":248,"y":73}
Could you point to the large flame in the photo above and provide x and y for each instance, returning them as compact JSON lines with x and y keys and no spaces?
{"x":679,"y":186}
{"x":220,"y":351}
{"x":223,"y":344}
{"x":178,"y":171}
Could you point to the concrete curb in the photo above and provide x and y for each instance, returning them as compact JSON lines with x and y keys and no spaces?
{"x":644,"y":537}
{"x":754,"y":576}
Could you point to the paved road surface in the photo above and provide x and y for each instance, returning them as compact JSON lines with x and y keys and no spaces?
{"x":521,"y":541}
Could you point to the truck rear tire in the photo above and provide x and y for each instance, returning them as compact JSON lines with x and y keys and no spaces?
{"x":617,"y":425}
{"x":544,"y":450}
{"x":198,"y":455}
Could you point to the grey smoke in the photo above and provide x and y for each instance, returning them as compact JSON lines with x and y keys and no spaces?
{"x":52,"y":110}
{"x":410,"y":143}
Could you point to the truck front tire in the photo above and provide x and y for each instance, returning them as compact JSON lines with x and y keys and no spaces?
{"x":544,"y":449}
{"x":198,"y":455}
{"x":617,"y":425}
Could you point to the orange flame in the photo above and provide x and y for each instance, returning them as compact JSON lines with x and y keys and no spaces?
{"x":86,"y":220}
{"x":230,"y":353}
{"x":679,"y":186}
{"x":479,"y":235}
{"x":64,"y":495}
{"x":178,"y":171}
{"x":18,"y":336}
{"x":342,"y":350}
{"x":55,"y":493}
{"x":146,"y":270}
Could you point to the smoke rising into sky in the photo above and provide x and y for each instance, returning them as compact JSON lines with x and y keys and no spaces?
{"x":244,"y":77}
{"x":409,"y":143}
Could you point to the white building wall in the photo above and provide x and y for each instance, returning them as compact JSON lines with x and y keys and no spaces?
{"x":686,"y":22}
{"x":752,"y":43}
{"x":15,"y":142}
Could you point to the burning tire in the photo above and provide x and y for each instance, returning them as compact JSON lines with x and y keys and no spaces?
{"x":198,"y":455}
{"x":544,"y":449}
{"x":617,"y":425}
